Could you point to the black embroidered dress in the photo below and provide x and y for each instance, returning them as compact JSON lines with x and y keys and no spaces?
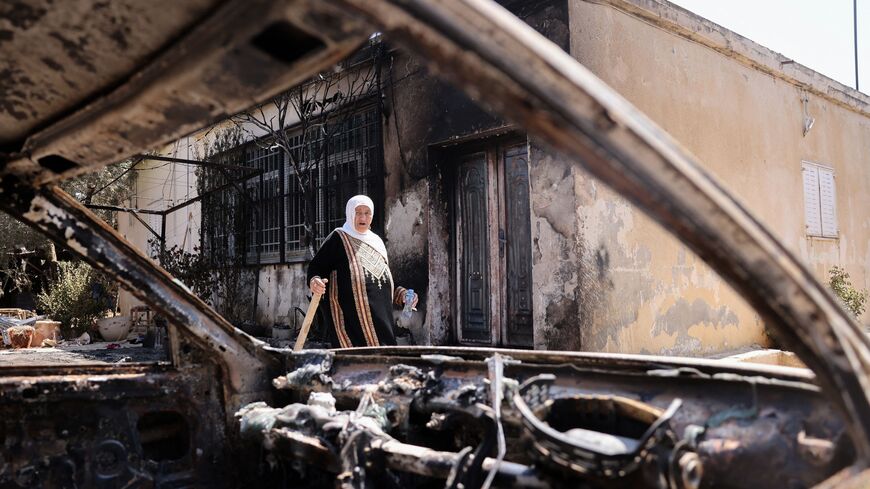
{"x":360,"y":292}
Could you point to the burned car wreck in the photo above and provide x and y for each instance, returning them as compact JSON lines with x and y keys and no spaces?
{"x":229,"y":411}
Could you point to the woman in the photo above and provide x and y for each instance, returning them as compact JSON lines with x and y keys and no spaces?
{"x":353,"y":270}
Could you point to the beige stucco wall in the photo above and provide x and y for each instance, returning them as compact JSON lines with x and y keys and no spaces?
{"x":159,"y":186}
{"x":641,"y":290}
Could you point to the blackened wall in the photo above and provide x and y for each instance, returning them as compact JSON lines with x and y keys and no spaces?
{"x":422,"y":115}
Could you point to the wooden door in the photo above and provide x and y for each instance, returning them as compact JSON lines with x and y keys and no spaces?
{"x":473,"y":249}
{"x":492,"y":240}
{"x":518,"y":244}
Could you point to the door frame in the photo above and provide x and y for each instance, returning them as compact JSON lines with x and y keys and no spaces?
{"x":493,"y":149}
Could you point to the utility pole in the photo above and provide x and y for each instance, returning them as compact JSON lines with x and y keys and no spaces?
{"x":855,"y":32}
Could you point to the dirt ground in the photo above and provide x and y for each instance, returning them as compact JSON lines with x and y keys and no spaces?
{"x":95,"y":353}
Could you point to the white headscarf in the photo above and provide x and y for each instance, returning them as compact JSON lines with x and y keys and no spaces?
{"x":367,"y":237}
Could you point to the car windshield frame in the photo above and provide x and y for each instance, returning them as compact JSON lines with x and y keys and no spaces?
{"x":498,"y":60}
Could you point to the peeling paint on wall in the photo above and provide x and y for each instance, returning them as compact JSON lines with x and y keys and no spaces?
{"x":556,"y":250}
{"x":439,"y":309}
{"x":678,"y":318}
{"x":609,"y":279}
{"x":405,"y":232}
{"x":715,"y":93}
{"x":654,"y":296}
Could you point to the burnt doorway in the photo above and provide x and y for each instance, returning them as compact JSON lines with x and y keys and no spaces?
{"x":492,"y":266}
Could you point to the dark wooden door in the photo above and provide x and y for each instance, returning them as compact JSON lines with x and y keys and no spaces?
{"x":493,"y":247}
{"x":473,"y":247}
{"x":518,"y":262}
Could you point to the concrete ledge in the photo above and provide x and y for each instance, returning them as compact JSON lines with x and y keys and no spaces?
{"x":768,"y":357}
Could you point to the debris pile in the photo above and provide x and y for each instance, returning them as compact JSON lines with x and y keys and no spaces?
{"x":463,"y":440}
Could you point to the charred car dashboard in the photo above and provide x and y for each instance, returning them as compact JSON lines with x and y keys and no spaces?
{"x":228,"y":411}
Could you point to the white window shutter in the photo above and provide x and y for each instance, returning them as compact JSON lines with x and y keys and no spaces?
{"x":812,"y":206}
{"x":828,"y":203}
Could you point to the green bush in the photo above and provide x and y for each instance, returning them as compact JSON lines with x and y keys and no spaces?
{"x":191,"y":268}
{"x":76,"y":297}
{"x":853,"y":299}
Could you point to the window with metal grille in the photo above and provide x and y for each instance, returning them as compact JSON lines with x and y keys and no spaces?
{"x":306,"y":153}
{"x":222,"y":210}
{"x":339,"y":159}
{"x":352,"y":166}
{"x":265,"y":192}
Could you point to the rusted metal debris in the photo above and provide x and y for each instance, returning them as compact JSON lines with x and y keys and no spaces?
{"x":409,"y":416}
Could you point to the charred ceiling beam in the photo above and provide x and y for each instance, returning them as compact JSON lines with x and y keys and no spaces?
{"x":501,"y":61}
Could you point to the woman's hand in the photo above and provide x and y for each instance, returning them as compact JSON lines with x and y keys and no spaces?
{"x":318,"y":285}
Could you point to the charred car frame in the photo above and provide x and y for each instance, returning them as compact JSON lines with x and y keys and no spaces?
{"x":228,"y":411}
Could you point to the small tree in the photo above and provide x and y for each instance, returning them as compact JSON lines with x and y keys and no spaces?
{"x":853,"y":299}
{"x":23,"y":256}
{"x":226,"y":287}
{"x":76,"y":297}
{"x":20,"y":243}
{"x":191,"y":268}
{"x":112,"y":185}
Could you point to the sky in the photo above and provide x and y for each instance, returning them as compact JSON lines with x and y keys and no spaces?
{"x":814,"y":33}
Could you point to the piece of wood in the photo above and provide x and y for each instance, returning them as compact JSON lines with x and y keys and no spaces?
{"x":306,"y":323}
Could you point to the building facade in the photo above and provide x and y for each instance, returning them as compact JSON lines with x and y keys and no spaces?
{"x":510,"y":244}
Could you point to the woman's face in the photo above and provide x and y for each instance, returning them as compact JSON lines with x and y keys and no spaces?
{"x":362,"y":219}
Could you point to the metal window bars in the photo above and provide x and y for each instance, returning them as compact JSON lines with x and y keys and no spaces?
{"x":341,"y":158}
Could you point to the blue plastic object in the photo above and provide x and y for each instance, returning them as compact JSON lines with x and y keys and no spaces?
{"x":408,"y":311}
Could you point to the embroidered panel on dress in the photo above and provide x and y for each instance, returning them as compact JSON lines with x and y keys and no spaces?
{"x":372,"y":262}
{"x":358,"y":286}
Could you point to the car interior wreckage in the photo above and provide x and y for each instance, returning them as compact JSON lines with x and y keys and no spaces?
{"x":229,"y":411}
